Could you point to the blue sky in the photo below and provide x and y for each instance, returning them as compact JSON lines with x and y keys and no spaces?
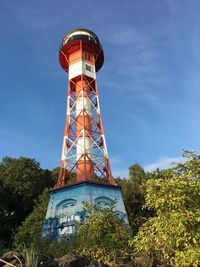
{"x":148,"y":85}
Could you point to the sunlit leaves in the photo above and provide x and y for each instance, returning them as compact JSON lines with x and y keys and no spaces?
{"x":103,"y":236}
{"x":173,"y":235}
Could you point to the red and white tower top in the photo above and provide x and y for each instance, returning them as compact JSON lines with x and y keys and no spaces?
{"x":84,"y":152}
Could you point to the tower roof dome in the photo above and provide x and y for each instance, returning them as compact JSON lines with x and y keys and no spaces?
{"x":71,"y":43}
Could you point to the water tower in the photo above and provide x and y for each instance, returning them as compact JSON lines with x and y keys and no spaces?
{"x":85,"y":173}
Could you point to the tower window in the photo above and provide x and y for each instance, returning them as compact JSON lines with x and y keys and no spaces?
{"x":87,"y":67}
{"x":87,"y":56}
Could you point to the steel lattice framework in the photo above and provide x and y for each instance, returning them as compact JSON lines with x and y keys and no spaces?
{"x":84,"y":152}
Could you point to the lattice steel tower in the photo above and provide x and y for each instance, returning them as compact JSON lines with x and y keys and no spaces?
{"x":84,"y":154}
{"x":84,"y":147}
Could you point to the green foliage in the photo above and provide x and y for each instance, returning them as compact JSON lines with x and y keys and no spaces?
{"x":71,"y":177}
{"x":29,"y":233}
{"x":133,"y":192}
{"x":103,"y":236}
{"x":28,"y":236}
{"x":173,"y":235}
{"x":136,"y":175}
{"x":163,"y":209}
{"x":54,"y":175}
{"x":191,"y":166}
{"x":31,"y":258}
{"x":54,"y":248}
{"x":21,"y":182}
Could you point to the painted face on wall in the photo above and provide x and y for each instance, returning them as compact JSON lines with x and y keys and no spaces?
{"x":66,"y":207}
{"x":120,"y":215}
{"x":65,"y":211}
{"x":69,"y":205}
{"x":104,"y":201}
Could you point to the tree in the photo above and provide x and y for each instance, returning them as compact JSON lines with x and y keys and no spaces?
{"x":29,"y":233}
{"x":136,"y":175}
{"x":21,"y":182}
{"x":103,"y":236}
{"x":172,"y":235}
{"x":133,"y":195}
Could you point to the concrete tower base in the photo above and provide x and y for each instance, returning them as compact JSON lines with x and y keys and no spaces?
{"x":65,"y":206}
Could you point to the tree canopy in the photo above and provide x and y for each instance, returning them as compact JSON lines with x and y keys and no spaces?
{"x":29,"y":233}
{"x":163,"y":207}
{"x":22,"y":180}
{"x":172,"y":236}
{"x":133,"y":195}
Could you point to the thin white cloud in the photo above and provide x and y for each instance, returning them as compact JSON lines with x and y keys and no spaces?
{"x":124,"y":36}
{"x":163,"y":163}
{"x":120,"y":173}
{"x":140,"y":69}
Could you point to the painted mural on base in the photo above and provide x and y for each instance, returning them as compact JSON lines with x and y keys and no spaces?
{"x":65,"y":207}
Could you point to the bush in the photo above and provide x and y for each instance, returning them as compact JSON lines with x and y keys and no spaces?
{"x":103,"y":237}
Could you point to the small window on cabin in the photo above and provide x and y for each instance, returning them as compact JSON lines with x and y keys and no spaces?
{"x":87,"y":67}
{"x":87,"y":56}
